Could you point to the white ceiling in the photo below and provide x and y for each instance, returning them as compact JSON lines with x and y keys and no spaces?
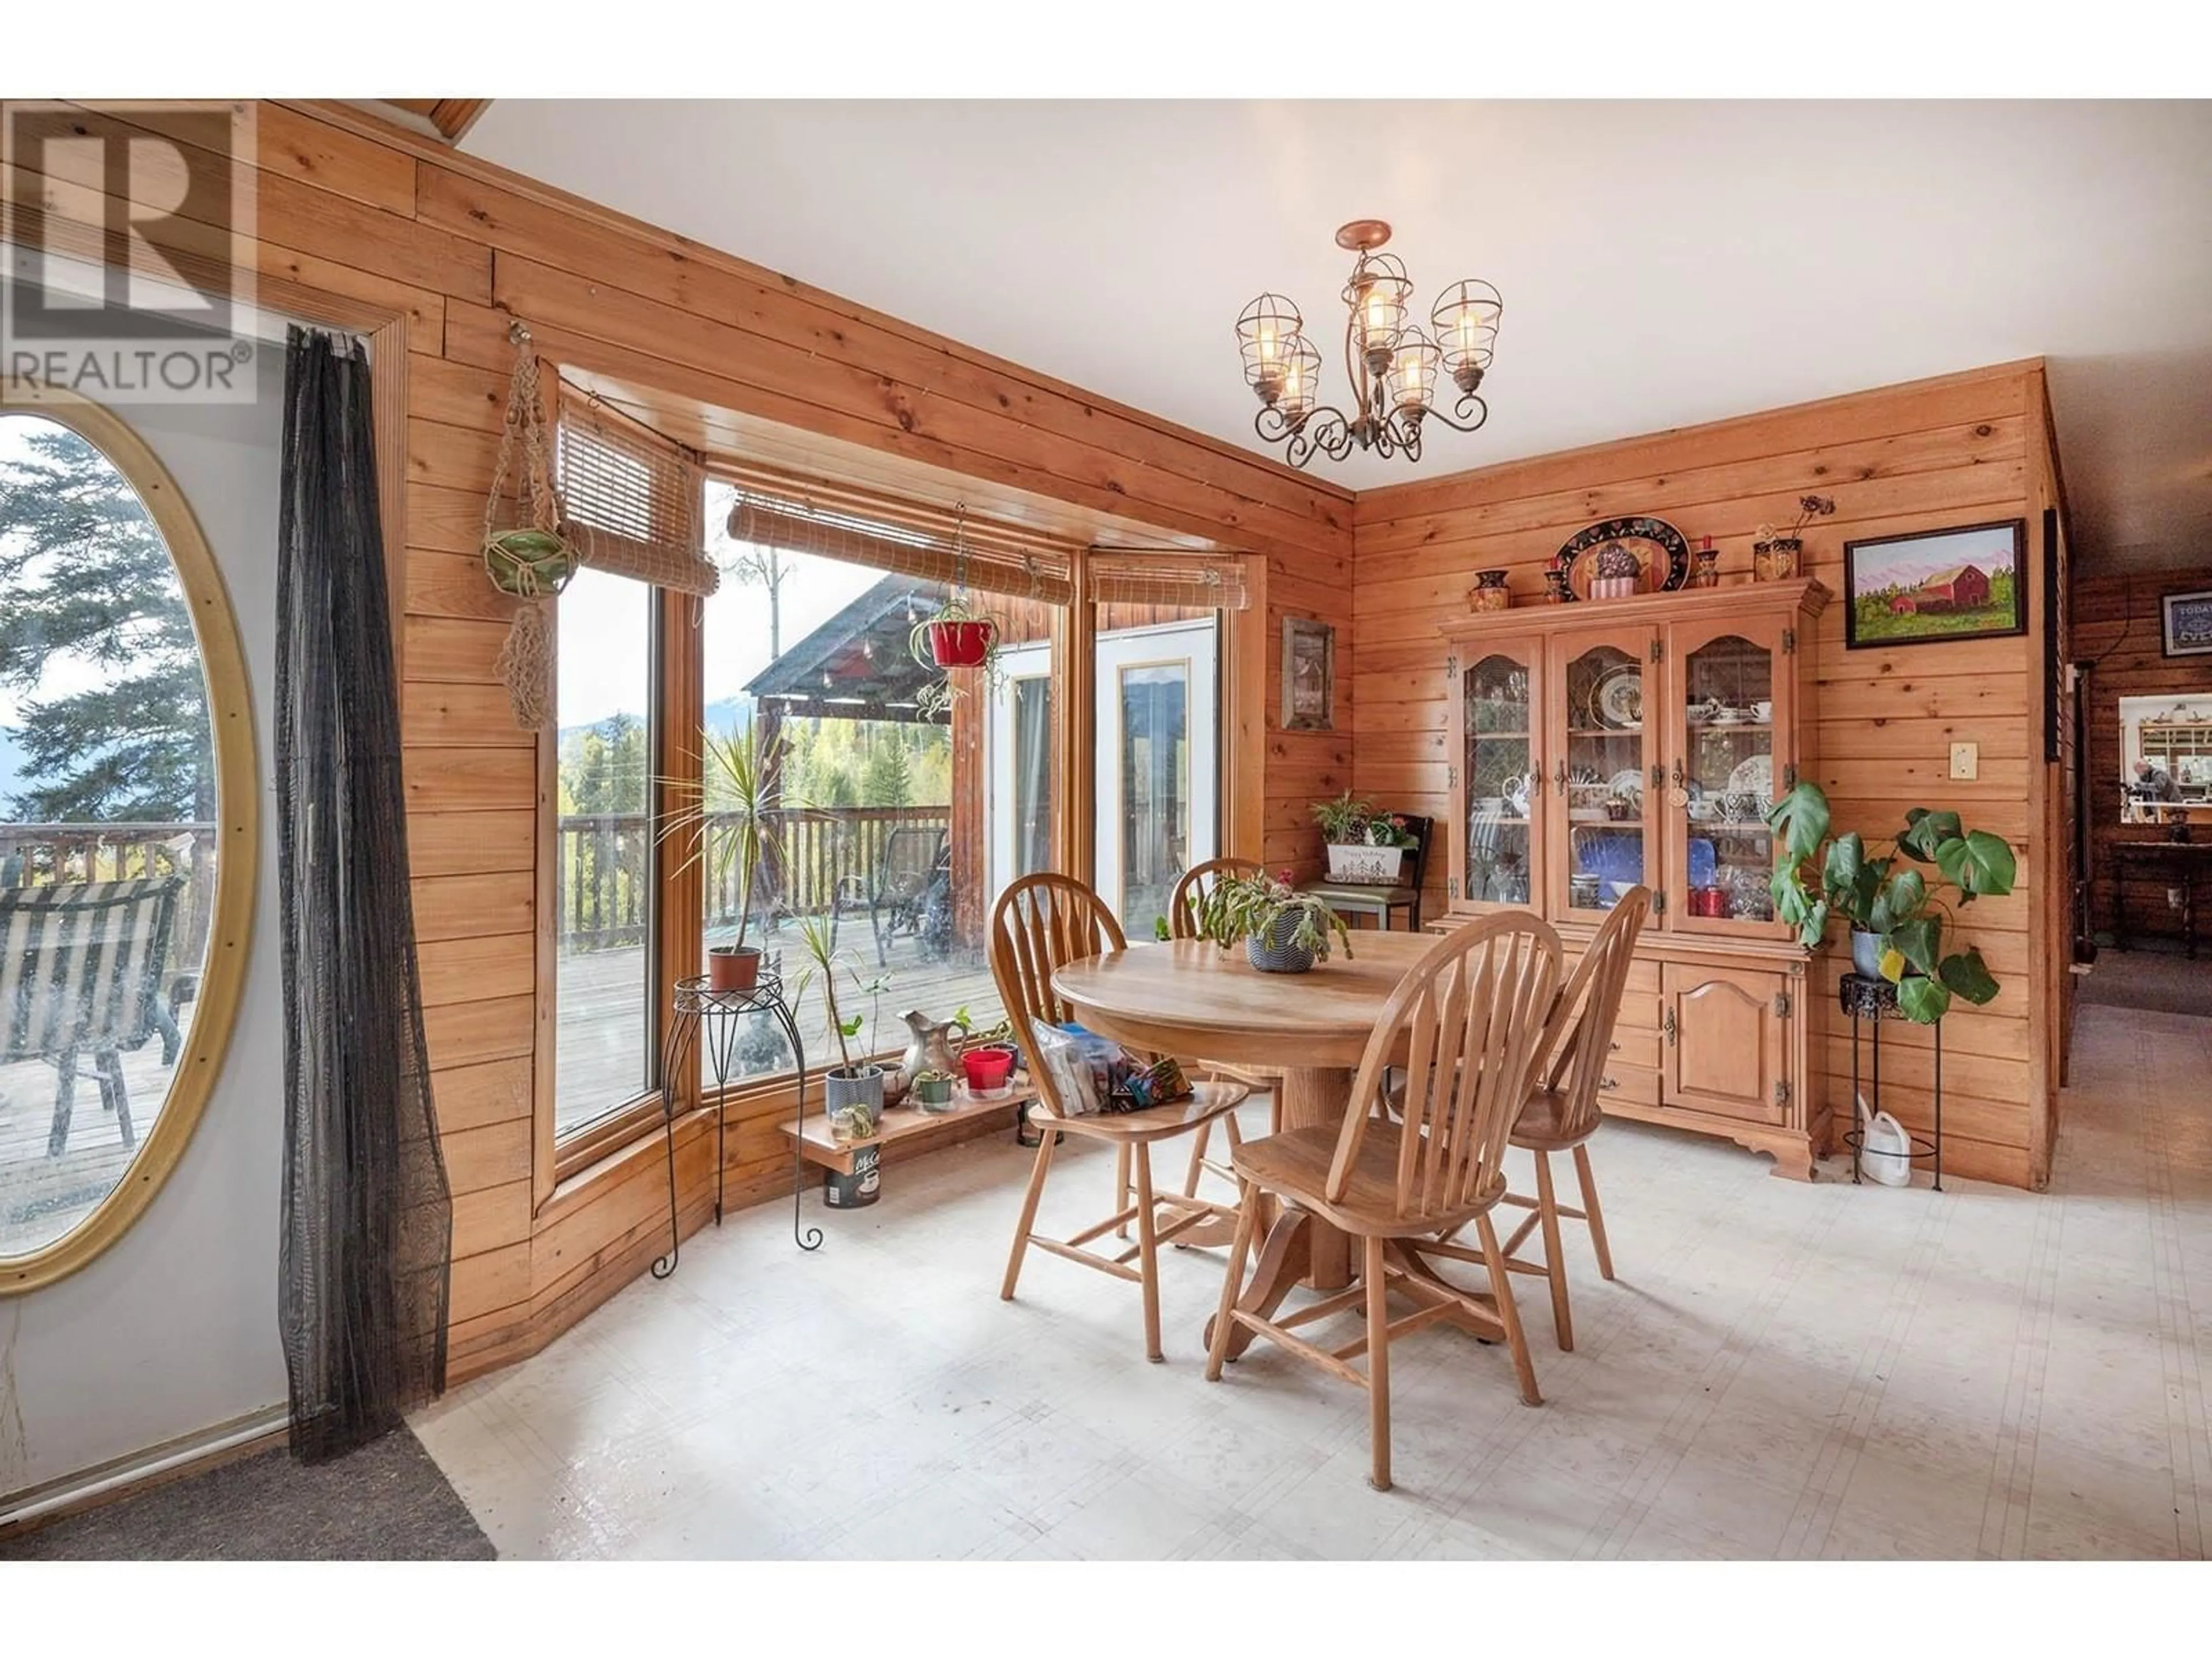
{"x":1661,"y":263}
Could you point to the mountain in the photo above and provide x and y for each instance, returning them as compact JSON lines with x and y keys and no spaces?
{"x":723,"y":715}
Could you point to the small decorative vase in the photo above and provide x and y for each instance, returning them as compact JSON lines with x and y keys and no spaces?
{"x":1273,"y":951}
{"x":1776,"y":560}
{"x":1489,"y":592}
{"x":1556,"y":590}
{"x":1706,"y":565}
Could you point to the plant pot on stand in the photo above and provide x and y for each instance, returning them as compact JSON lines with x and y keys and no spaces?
{"x":733,"y":967}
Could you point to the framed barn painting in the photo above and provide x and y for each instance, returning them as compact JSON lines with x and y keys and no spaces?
{"x":1965,"y":584}
{"x":2187,"y":619}
{"x":1308,"y":675}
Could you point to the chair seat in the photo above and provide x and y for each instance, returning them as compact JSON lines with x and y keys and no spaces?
{"x":1295,"y":1165}
{"x":1207,"y":1102}
{"x":1541,"y":1126}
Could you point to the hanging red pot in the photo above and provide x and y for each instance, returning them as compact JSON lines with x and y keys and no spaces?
{"x":961,"y":644}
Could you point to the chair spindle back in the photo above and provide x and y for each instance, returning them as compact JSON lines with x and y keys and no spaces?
{"x":1581,"y":1032}
{"x":1194,"y":884}
{"x":1040,"y":924}
{"x":1471,"y":1015}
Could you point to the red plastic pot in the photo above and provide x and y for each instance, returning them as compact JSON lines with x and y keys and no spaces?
{"x":961,"y":644}
{"x":987,"y":1068}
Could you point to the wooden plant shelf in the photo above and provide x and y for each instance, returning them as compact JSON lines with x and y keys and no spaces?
{"x":900,"y":1124}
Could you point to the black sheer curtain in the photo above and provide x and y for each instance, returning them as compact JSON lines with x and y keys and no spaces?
{"x":367,"y":1216}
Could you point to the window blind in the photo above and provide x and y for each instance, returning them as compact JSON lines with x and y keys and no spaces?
{"x":906,"y":538}
{"x":631,"y":499}
{"x":1128,"y":576}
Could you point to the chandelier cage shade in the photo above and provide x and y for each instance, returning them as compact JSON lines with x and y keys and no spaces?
{"x":1393,"y":368}
{"x":1264,"y":331}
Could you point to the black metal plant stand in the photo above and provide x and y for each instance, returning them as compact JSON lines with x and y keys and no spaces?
{"x":695,"y":1003}
{"x":1873,"y":999}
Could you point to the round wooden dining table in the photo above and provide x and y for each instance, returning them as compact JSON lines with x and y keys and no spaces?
{"x":1195,"y":1000}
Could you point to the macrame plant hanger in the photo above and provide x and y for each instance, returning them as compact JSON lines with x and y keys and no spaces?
{"x":530,"y":558}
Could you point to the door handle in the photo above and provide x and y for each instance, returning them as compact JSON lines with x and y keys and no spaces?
{"x":1679,"y":783}
{"x":1667,"y":1024}
{"x":1559,"y":777}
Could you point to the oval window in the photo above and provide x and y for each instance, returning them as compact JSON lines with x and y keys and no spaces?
{"x":126,"y":829}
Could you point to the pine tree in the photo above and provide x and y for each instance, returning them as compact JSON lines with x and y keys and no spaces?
{"x":84,"y":573}
{"x":888,"y":781}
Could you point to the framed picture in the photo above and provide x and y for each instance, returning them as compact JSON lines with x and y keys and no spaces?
{"x":1308,"y":675}
{"x":2188,"y":623}
{"x":1965,"y":584}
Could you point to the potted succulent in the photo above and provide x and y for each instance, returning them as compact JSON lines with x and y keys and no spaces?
{"x":1893,"y":901}
{"x":729,"y":821}
{"x":852,"y":1092}
{"x":1283,"y":930}
{"x":1774,"y":555}
{"x":1364,"y":846}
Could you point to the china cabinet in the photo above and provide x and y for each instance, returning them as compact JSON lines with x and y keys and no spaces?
{"x":1599,"y":745}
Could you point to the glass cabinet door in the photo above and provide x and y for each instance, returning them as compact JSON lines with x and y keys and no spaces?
{"x":1601,"y":689}
{"x":1503,"y":791}
{"x":1725,"y":770}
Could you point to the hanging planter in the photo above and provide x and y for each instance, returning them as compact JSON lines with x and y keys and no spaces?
{"x":524,"y":554}
{"x":955,"y":635}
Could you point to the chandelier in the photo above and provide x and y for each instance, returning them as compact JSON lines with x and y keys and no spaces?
{"x":1394,"y":366}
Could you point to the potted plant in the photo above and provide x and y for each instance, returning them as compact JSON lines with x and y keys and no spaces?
{"x":1774,"y":557}
{"x":1364,"y":846}
{"x":1284,"y":930}
{"x":852,"y":1092}
{"x":729,"y":821}
{"x":955,"y":635}
{"x":1893,"y":901}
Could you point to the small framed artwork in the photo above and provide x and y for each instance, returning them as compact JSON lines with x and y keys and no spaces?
{"x":2187,"y":619}
{"x":1970,"y":583}
{"x":1308,"y":675}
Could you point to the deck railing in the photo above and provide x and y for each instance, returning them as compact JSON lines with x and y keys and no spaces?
{"x":607,"y":861}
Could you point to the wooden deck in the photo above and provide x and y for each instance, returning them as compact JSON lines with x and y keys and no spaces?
{"x":42,"y":1198}
{"x":600,"y":1029}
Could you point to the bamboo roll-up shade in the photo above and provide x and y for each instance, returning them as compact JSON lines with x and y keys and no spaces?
{"x":631,"y":500}
{"x":1197,"y":580}
{"x":907,"y":541}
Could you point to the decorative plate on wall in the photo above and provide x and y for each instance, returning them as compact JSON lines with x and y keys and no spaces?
{"x":1658,"y":548}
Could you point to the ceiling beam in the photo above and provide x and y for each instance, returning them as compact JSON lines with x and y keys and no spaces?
{"x":449,"y":118}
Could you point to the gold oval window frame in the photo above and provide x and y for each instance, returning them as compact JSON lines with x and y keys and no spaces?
{"x":222,"y":979}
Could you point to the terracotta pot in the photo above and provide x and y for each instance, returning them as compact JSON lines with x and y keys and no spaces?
{"x":960,"y":644}
{"x":733,"y":967}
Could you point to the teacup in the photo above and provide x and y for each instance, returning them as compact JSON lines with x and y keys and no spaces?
{"x":1762,"y":710}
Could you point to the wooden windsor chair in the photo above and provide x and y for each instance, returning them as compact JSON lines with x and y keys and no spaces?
{"x":1040,"y":924}
{"x":1470,"y":1018}
{"x":1190,"y":890}
{"x":1564,"y":1111}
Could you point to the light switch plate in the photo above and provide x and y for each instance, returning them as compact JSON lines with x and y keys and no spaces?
{"x":1965,"y":761}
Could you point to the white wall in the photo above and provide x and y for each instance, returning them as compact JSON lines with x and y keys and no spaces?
{"x":174,"y":1330}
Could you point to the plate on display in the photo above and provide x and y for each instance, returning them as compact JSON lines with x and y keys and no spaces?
{"x":1661,"y":556}
{"x":1753,"y":777}
{"x":1627,"y":784}
{"x":1619,"y":698}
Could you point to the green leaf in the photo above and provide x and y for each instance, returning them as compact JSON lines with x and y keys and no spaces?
{"x":1846,"y":859}
{"x":1919,"y":941}
{"x":1925,"y":831}
{"x":1923,"y":1001}
{"x":1893,"y":966}
{"x":1161,"y":930}
{"x":1969,"y":975}
{"x":850,"y":1026}
{"x":1799,"y":821}
{"x":1987,"y":865}
{"x":1900,"y":901}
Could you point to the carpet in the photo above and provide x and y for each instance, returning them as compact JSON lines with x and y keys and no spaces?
{"x":2160,"y":981}
{"x":387,"y":1502}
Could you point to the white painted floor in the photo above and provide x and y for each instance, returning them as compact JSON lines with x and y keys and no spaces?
{"x":1780,"y":1371}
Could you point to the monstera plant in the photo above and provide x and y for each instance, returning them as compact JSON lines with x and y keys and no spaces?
{"x":1895,"y":902}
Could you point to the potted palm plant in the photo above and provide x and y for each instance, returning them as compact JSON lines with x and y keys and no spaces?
{"x":852,"y":1092}
{"x":1893,"y":901}
{"x":729,"y":823}
{"x":1284,"y":930}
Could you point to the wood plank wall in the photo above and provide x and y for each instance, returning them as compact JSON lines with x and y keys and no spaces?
{"x":352,"y":206}
{"x":1932,"y":453}
{"x":2116,"y":627}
